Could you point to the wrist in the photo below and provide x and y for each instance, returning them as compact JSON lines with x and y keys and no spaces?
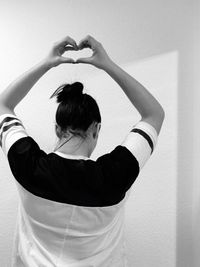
{"x":109,"y":66}
{"x":47,"y":64}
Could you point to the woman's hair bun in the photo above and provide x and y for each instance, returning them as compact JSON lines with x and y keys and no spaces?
{"x":68,"y":91}
{"x":73,"y":89}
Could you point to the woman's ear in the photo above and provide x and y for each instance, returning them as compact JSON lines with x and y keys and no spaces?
{"x":97,"y":127}
{"x":59,"y":132}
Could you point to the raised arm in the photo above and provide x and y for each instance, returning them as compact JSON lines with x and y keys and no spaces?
{"x":18,"y":89}
{"x":146,"y":104}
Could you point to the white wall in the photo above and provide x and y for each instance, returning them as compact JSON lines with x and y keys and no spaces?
{"x":196,"y":172}
{"x":151,"y":208}
{"x":158,"y":35}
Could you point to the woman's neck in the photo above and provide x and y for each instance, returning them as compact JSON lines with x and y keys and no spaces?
{"x":73,"y":146}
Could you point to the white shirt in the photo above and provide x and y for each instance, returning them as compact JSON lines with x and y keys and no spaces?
{"x":71,"y":208}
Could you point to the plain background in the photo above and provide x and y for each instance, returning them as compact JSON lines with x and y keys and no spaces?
{"x":155,"y":41}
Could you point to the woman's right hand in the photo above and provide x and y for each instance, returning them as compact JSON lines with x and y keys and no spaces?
{"x":99,"y":58}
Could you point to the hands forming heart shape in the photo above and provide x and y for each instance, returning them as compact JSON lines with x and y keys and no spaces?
{"x":99,"y":57}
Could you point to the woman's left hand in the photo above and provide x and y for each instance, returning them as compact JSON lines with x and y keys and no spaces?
{"x":55,"y":57}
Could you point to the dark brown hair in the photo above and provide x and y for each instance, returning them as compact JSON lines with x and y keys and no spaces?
{"x":76,"y":111}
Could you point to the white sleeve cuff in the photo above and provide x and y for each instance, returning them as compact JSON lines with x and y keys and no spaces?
{"x":11,"y":129}
{"x":149,"y":129}
{"x":141,"y":142}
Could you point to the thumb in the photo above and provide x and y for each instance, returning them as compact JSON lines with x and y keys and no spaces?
{"x":87,"y":60}
{"x":66,"y":60}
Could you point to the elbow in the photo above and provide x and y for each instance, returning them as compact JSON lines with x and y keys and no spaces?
{"x":162,"y":113}
{"x":157,"y":113}
{"x":160,"y":116}
{"x":155,"y":119}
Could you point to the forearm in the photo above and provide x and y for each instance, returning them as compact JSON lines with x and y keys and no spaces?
{"x":18,"y":89}
{"x":140,"y":97}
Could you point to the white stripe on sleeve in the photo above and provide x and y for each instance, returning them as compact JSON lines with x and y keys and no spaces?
{"x":142,"y":142}
{"x":11,"y":130}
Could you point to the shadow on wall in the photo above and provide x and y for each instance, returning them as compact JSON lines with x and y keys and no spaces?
{"x":151,"y":208}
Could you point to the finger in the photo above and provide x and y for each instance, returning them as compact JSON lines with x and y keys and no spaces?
{"x":66,"y":60}
{"x":68,"y":48}
{"x":67,"y":40}
{"x":62,"y":50}
{"x":72,"y":42}
{"x":85,"y":42}
{"x":88,"y":41}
